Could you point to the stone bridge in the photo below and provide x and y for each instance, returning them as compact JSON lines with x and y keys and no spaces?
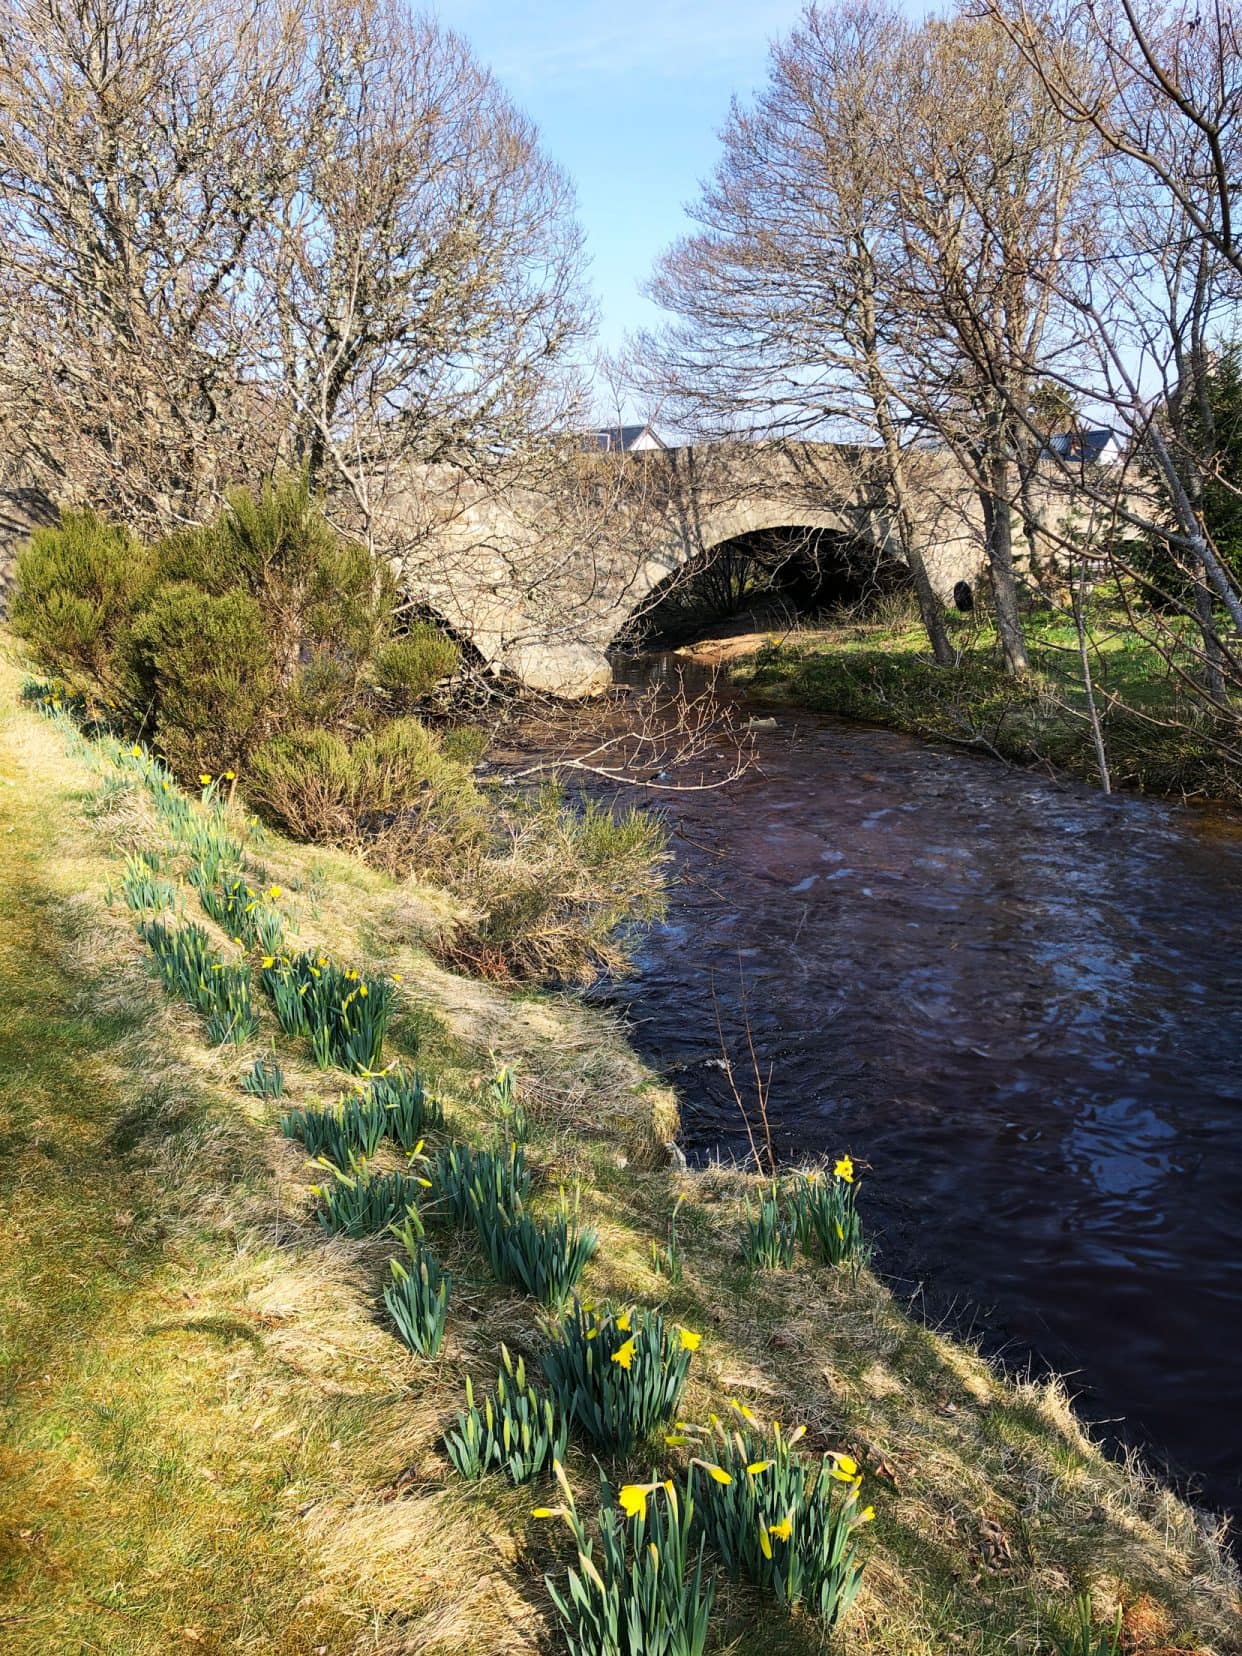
{"x":541,"y":581}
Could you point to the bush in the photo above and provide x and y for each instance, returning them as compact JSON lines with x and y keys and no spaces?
{"x":77,"y":588}
{"x":543,"y":1260}
{"x":200,"y":669}
{"x":409,"y":668}
{"x":343,"y":1014}
{"x":360,"y":1203}
{"x":564,"y":903}
{"x":185,"y":961}
{"x":391,"y":794}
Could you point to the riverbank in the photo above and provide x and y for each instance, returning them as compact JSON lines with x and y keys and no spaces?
{"x":881,"y":671}
{"x":213,"y":1437}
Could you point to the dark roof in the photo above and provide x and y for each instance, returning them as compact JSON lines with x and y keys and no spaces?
{"x":611,"y":438}
{"x":1086,"y":446}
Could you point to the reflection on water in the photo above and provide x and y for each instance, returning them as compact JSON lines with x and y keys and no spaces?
{"x":1021,"y":1003}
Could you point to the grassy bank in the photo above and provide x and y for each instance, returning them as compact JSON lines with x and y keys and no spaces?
{"x":213,"y":1439}
{"x":881,"y":670}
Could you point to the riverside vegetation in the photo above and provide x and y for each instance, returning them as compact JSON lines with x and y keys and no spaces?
{"x":243,"y":1319}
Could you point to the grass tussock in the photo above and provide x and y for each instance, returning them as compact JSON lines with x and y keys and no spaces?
{"x":215,"y":1439}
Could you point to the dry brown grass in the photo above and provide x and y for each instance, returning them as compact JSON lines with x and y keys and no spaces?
{"x":214,"y":1443}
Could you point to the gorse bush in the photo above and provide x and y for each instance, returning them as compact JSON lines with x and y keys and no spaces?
{"x":188,"y":966}
{"x":646,"y":1591}
{"x":343,"y":1014}
{"x":787,"y":1524}
{"x":517,"y":1431}
{"x":417,"y":1297}
{"x":391,"y":792}
{"x":619,"y":1376}
{"x":409,"y":668}
{"x":78,"y":586}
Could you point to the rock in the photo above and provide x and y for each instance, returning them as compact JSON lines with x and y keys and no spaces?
{"x":571,"y":671}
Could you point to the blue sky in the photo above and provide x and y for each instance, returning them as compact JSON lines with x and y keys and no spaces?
{"x":629,"y":99}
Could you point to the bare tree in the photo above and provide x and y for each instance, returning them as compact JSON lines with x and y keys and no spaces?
{"x":785,"y":325}
{"x":134,"y":168}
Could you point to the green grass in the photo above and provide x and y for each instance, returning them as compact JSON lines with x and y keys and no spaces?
{"x":881,"y":670}
{"x":212,"y":1438}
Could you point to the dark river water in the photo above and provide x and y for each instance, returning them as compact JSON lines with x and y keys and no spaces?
{"x":1020,"y":1003}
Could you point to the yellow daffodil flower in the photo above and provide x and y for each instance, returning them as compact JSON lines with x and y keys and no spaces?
{"x":844,"y":1170}
{"x":396,"y":977}
{"x":269,"y":960}
{"x":765,"y":1543}
{"x":756,"y":1467}
{"x":623,"y":1322}
{"x":632,"y":1499}
{"x":689,"y":1340}
{"x":273,"y":892}
{"x":624,"y":1355}
{"x":867,"y":1515}
{"x":783,"y":1530}
{"x":230,"y":776}
{"x":845,"y":1468}
{"x":205,"y":780}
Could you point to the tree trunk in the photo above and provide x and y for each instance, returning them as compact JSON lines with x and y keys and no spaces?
{"x":998,"y":528}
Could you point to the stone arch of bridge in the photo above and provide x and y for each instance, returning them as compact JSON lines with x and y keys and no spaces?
{"x":697,"y":544}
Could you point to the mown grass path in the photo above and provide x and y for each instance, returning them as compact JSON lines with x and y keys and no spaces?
{"x":138,"y":1505}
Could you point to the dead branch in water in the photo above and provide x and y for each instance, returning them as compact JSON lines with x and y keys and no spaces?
{"x":664,"y":736}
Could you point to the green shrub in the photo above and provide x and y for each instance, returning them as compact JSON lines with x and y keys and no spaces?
{"x":786,"y":1523}
{"x":647,"y":1592}
{"x":417,"y":1297}
{"x":518,"y":1431}
{"x":201,"y":671}
{"x":391,"y":794}
{"x":409,"y":668}
{"x":619,"y":1375}
{"x":77,"y":588}
{"x":315,"y":589}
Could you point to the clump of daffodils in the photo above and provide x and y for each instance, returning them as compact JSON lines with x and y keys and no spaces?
{"x":619,"y":1374}
{"x":784,"y":1520}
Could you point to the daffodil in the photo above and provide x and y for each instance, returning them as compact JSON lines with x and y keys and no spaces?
{"x":135,"y":752}
{"x":718,"y":1473}
{"x":844,"y":1169}
{"x":624,"y":1355}
{"x":765,"y":1542}
{"x":230,"y":776}
{"x":689,"y":1340}
{"x":783,"y":1530}
{"x":867,"y":1515}
{"x":623,"y":1322}
{"x":756,"y":1467}
{"x":205,"y":780}
{"x":396,"y":977}
{"x":268,"y":961}
{"x":845,"y":1468}
{"x":632,"y":1499}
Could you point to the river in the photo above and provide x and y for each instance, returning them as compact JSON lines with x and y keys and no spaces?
{"x":1019,"y":1002}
